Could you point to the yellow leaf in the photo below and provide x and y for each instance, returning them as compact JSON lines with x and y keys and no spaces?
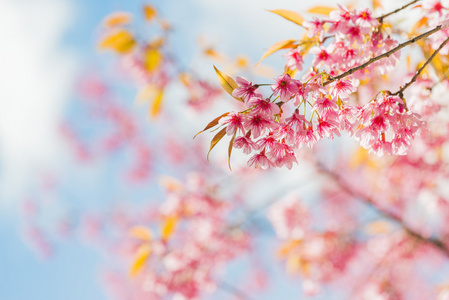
{"x":149,"y":12}
{"x":212,"y":123}
{"x":422,"y":22}
{"x":231,"y":143}
{"x":142,"y":233}
{"x":293,"y":263}
{"x":146,"y":93}
{"x":288,"y":247}
{"x":321,"y":10}
{"x":120,"y":41}
{"x":289,"y":15}
{"x":377,"y":4}
{"x":378,"y":227}
{"x":168,"y":228}
{"x":117,"y":18}
{"x":142,"y":254}
{"x":215,"y":140}
{"x":241,"y":62}
{"x":170,"y":183}
{"x":276,"y":47}
{"x":227,"y":82}
{"x":212,"y":53}
{"x":157,"y":104}
{"x":153,"y":60}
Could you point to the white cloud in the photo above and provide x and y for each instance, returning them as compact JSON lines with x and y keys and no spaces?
{"x":36,"y":75}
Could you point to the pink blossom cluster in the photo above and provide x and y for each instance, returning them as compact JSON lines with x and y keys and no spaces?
{"x":184,"y":260}
{"x":348,"y":38}
{"x":276,"y":129}
{"x":318,"y":256}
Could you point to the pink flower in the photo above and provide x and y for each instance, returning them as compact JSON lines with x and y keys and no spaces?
{"x":234,"y":121}
{"x":263,"y":106}
{"x":342,"y":88}
{"x":260,"y":160}
{"x":354,"y":33}
{"x":283,"y":155}
{"x":364,"y":19}
{"x":294,"y":59}
{"x":324,"y":106}
{"x":340,"y":19}
{"x":322,"y":56}
{"x":328,"y":128}
{"x":308,"y":137}
{"x":433,"y":6}
{"x":246,"y":143}
{"x":267,"y":141}
{"x":246,"y":89}
{"x":314,"y":28}
{"x":286,"y":86}
{"x":258,"y":124}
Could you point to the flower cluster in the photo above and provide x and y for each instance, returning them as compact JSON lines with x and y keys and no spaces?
{"x":195,"y":242}
{"x":301,"y":112}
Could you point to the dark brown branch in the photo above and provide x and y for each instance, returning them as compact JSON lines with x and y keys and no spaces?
{"x":438,"y":244}
{"x":386,"y":54}
{"x":402,"y":89}
{"x":381,"y":18}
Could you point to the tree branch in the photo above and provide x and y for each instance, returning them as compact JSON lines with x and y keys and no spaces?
{"x":438,"y":244}
{"x":386,"y":54}
{"x":382,"y":17}
{"x":401,"y":90}
{"x":233,"y":290}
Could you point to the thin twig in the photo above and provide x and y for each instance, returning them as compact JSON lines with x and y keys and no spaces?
{"x":381,"y":18}
{"x":401,"y":90}
{"x":386,"y":54}
{"x":438,"y":244}
{"x":233,"y":290}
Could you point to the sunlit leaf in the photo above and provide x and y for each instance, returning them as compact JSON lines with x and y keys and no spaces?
{"x":170,"y":183}
{"x":168,"y":228}
{"x":422,"y":22}
{"x":276,"y":47}
{"x":117,"y":18}
{"x":212,"y":123}
{"x":288,"y":247}
{"x":321,"y":10}
{"x":293,"y":263}
{"x":153,"y":59}
{"x":231,"y":144}
{"x":140,"y":259}
{"x":142,"y":233}
{"x":377,"y":4}
{"x":215,"y":140}
{"x":157,"y":104}
{"x":120,"y":41}
{"x":212,"y":53}
{"x":227,"y":82}
{"x":149,"y":12}
{"x":378,"y":227}
{"x":242,"y":62}
{"x":289,"y":15}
